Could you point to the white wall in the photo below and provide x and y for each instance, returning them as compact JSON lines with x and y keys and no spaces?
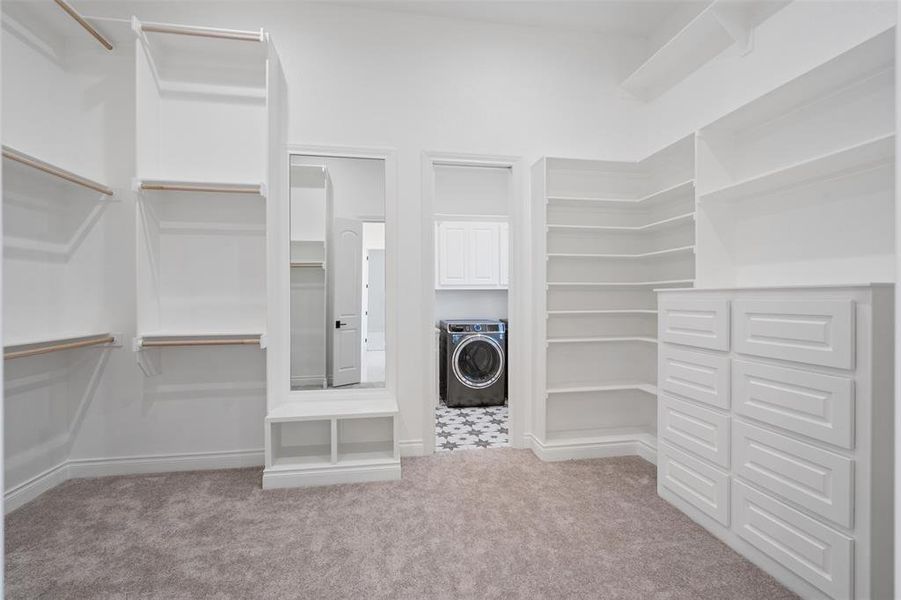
{"x":368,"y":78}
{"x":357,"y":77}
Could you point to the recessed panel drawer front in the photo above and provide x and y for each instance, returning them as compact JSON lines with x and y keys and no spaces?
{"x":816,"y":332}
{"x":813,"y":478}
{"x":698,"y":430}
{"x":812,"y":404}
{"x":703,"y":323}
{"x":701,"y":377}
{"x":808,"y":548}
{"x":694,"y":481}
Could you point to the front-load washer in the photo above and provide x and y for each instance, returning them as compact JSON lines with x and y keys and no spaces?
{"x":473,"y":362}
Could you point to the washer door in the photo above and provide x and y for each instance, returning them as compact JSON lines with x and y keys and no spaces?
{"x":478,"y":361}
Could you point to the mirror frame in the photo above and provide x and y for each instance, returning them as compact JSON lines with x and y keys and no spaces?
{"x":278,"y":367}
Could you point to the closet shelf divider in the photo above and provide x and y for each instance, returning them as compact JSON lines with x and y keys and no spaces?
{"x":664,"y":252}
{"x":45,"y":167}
{"x":602,"y":340}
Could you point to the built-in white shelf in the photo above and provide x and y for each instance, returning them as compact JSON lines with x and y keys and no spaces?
{"x":665,"y":252}
{"x":648,"y":388}
{"x":618,"y":284}
{"x":42,"y":169}
{"x":46,"y":346}
{"x":602,"y":339}
{"x":613,"y":311}
{"x":856,"y":158}
{"x":670,"y":192}
{"x":326,"y":409}
{"x":676,"y":220}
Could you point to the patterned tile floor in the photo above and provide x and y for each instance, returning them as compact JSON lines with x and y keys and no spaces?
{"x":470,"y":428}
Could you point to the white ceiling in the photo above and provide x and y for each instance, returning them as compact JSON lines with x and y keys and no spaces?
{"x":624,"y":17}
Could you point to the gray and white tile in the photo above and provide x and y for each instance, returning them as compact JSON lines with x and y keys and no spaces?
{"x":470,"y":428}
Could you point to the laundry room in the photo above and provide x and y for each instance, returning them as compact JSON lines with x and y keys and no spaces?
{"x":471,"y":224}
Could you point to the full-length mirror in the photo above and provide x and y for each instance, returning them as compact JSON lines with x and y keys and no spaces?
{"x":337,"y":272}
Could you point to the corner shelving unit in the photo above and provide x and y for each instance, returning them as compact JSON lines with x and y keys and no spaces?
{"x":710,"y":30}
{"x":202,"y":207}
{"x":612,"y":233}
{"x":778,"y":177}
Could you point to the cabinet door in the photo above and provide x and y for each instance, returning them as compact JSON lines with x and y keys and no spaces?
{"x":484,"y":266}
{"x":504,"y":254}
{"x":452,"y":255}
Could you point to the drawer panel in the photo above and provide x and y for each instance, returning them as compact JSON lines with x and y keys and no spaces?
{"x":701,"y":431}
{"x":816,"y":479}
{"x":812,"y":404}
{"x":701,"y":377}
{"x":818,"y":332}
{"x":694,"y":481}
{"x":802,"y":545}
{"x":703,"y":323}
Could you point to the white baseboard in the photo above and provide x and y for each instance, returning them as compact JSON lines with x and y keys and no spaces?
{"x":282,"y":477}
{"x":29,"y":490}
{"x":127,"y":465}
{"x":411,"y":447}
{"x":164,"y":463}
{"x":642,"y":445}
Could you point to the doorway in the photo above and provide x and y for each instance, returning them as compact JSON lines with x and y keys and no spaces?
{"x":471,"y":217}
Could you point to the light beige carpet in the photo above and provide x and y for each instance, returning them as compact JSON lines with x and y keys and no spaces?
{"x":473,"y":524}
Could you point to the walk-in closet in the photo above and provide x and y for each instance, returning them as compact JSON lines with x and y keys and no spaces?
{"x":406,"y":299}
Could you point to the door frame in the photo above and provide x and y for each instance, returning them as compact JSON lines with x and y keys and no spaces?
{"x":278,"y":340}
{"x":519,"y":297}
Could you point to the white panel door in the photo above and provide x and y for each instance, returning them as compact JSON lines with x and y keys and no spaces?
{"x":694,"y":481}
{"x":699,"y":430}
{"x":816,"y":332}
{"x":452,"y":254}
{"x":484,"y":266}
{"x":812,"y":404}
{"x":803,"y":545}
{"x":694,"y":322}
{"x":813,"y":478}
{"x":699,"y":376}
{"x":347,"y":300}
{"x":504,"y":254}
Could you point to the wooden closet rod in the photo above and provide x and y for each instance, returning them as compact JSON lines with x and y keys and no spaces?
{"x":40,"y":165}
{"x":184,"y":187}
{"x":224,"y":34}
{"x":83,"y":22}
{"x":217,"y":342}
{"x":57,"y":346}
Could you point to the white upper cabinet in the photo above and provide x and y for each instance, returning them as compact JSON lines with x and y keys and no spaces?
{"x":471,"y":255}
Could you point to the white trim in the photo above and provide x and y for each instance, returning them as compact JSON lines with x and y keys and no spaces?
{"x":128,"y":465}
{"x":305,"y":476}
{"x":29,"y":490}
{"x":279,"y":375}
{"x":641,"y":445}
{"x":411,"y":447}
{"x":518,"y":290}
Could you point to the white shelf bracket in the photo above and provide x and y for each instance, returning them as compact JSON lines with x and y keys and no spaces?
{"x":148,"y":359}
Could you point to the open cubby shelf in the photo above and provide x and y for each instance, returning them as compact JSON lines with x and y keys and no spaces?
{"x":648,"y":388}
{"x":649,"y":227}
{"x":640,"y":255}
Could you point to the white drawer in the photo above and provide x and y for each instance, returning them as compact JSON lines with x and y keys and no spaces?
{"x":812,"y":404}
{"x":808,"y":548}
{"x":703,"y":323}
{"x":694,"y":375}
{"x":816,"y":332}
{"x":699,"y":430}
{"x":816,"y":479}
{"x":703,"y":486}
